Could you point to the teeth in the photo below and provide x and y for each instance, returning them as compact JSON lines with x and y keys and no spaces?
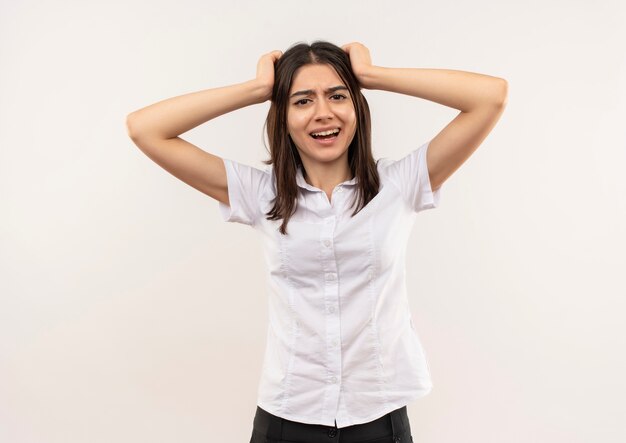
{"x":332,"y":131}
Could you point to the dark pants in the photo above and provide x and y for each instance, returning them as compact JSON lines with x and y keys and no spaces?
{"x":391,"y":428}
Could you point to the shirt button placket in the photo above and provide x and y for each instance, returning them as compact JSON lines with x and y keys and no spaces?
{"x":331,"y":302}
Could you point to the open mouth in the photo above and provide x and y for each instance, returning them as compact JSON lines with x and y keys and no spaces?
{"x":326,"y":135}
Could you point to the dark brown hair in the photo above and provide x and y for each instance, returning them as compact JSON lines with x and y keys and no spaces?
{"x":283,"y":152}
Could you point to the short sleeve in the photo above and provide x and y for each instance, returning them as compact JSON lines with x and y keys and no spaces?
{"x":246,"y":186}
{"x":410,"y":175}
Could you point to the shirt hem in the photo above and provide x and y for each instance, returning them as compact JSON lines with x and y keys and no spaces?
{"x":387,"y":409}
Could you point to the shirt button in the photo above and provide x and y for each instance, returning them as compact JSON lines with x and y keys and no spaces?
{"x":333,"y":379}
{"x":326,"y":242}
{"x":334,"y":342}
{"x":331,"y":309}
{"x":332,"y":432}
{"x":330,"y":276}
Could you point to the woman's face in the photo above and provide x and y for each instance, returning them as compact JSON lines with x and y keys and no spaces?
{"x":319,"y":101}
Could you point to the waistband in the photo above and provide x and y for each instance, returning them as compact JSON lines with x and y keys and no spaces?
{"x":394,"y":423}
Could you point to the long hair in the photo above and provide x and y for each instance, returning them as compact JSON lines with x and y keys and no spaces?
{"x":283,"y":152}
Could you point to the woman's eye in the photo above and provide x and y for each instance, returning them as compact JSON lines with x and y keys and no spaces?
{"x":305,"y":100}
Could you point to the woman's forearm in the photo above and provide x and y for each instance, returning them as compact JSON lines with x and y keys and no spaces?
{"x":461,"y":90}
{"x":171,"y":117}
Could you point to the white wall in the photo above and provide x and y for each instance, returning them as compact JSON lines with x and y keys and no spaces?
{"x":129,"y":312}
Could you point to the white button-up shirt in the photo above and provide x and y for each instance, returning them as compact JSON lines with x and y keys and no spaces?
{"x":341,"y":346}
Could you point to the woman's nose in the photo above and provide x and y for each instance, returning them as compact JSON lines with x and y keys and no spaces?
{"x":323,"y":110}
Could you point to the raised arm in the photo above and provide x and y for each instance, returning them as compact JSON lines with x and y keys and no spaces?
{"x":155,"y":129}
{"x":480,"y":98}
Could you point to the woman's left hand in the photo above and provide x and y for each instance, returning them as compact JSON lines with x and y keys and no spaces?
{"x":360,"y":60}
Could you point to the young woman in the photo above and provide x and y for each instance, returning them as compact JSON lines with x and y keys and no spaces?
{"x":343,"y":358}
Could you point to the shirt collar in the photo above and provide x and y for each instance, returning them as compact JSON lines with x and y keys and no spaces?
{"x":303,"y":184}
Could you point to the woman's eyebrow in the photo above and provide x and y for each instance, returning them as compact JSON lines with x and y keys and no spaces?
{"x":310,"y":91}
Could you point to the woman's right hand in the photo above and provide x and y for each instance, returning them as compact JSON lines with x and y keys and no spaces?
{"x":265,"y":72}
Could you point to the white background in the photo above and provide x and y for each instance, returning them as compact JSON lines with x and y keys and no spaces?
{"x":129,"y":312}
